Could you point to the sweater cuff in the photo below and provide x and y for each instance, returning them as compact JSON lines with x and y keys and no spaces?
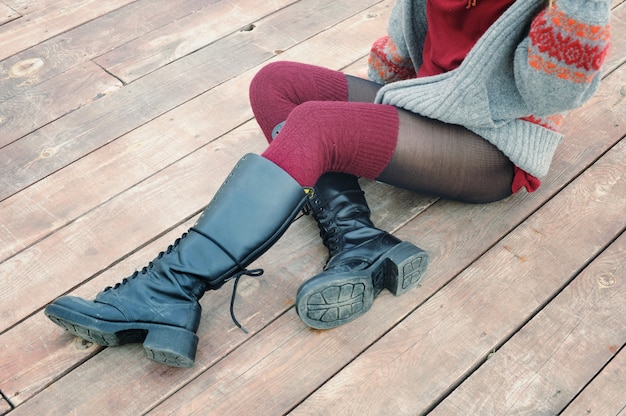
{"x":386,"y":64}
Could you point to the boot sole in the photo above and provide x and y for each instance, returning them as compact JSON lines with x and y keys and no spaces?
{"x":165,"y":344}
{"x":336,"y":299}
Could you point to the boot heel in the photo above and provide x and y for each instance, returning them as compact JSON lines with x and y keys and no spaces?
{"x":172,"y":346}
{"x":405,"y":265}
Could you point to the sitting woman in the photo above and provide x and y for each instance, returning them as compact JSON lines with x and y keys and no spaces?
{"x":464,"y":102}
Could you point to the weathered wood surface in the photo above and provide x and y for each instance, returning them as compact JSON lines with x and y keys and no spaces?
{"x":51,"y":19}
{"x":119,"y":123}
{"x":7,"y":14}
{"x":605,"y":394}
{"x":562,"y":347}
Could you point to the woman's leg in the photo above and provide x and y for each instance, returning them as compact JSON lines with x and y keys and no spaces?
{"x":280,"y":87}
{"x":359,"y":137}
{"x":441,"y":159}
{"x":331,"y":125}
{"x":158,"y":306}
{"x":445,"y":160}
{"x":333,"y":136}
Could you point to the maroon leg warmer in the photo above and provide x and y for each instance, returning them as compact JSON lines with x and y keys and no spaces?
{"x":323,"y":131}
{"x":280,"y":87}
{"x":327,"y":136}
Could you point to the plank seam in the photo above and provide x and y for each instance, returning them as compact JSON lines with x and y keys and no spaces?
{"x":600,"y":370}
{"x":110,"y":73}
{"x":6,"y":399}
{"x":532,"y":316}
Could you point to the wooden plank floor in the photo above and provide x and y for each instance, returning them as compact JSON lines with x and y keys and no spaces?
{"x":120,"y":119}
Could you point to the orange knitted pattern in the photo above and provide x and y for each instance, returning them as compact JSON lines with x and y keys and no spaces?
{"x":565,"y":48}
{"x":390,"y":65}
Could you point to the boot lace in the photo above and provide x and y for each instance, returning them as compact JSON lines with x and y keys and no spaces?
{"x":145,"y":269}
{"x":236,"y":276}
{"x":242,"y":271}
{"x":324,"y":217}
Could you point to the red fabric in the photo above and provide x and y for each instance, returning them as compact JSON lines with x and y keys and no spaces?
{"x":332,"y":136}
{"x":390,"y":66}
{"x":454,"y":26}
{"x":554,"y":38}
{"x":323,"y":131}
{"x":279,"y":87}
{"x":523,"y":179}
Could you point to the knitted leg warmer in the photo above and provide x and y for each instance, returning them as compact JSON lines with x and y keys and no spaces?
{"x":331,"y":136}
{"x":280,"y":87}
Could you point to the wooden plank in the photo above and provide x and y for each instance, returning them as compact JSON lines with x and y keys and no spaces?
{"x":616,"y":55}
{"x":35,"y":207}
{"x":136,"y":354}
{"x":5,"y":406}
{"x":45,"y":353}
{"x":26,"y":7}
{"x":214,"y":161}
{"x":485,"y":304}
{"x":91,"y":241}
{"x":57,"y":55}
{"x":454,"y":241}
{"x":33,"y":213}
{"x":551,"y":359}
{"x":48,"y":101}
{"x":7,"y":14}
{"x":605,"y":394}
{"x":184,"y":36}
{"x":55,"y":146}
{"x":63,"y":15}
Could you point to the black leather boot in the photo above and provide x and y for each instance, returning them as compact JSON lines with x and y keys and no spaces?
{"x":158,"y":306}
{"x":362,"y":258}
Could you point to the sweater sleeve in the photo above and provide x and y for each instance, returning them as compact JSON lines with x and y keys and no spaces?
{"x":557,"y":66}
{"x":387,"y":63}
{"x":394,"y":57}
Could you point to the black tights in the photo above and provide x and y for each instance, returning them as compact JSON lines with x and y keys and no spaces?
{"x":440,"y":159}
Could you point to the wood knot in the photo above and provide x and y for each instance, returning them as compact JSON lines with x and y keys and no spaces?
{"x":606,"y":280}
{"x":26,"y":68}
{"x":46,"y":153}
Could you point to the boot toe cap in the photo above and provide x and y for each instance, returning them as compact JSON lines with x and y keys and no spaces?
{"x":93,"y":309}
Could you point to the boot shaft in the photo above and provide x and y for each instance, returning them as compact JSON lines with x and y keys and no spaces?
{"x":340,"y":209}
{"x":254,"y":206}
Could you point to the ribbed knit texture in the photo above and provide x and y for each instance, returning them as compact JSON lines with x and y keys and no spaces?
{"x":513,"y":84}
{"x":280,"y":87}
{"x":331,"y":136}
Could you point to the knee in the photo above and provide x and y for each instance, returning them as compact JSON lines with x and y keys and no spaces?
{"x":306,"y":127}
{"x":265,"y":74}
{"x":310,"y":116}
{"x":270,"y":76}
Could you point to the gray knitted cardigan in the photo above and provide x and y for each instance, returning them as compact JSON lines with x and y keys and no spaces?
{"x":495,"y":86}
